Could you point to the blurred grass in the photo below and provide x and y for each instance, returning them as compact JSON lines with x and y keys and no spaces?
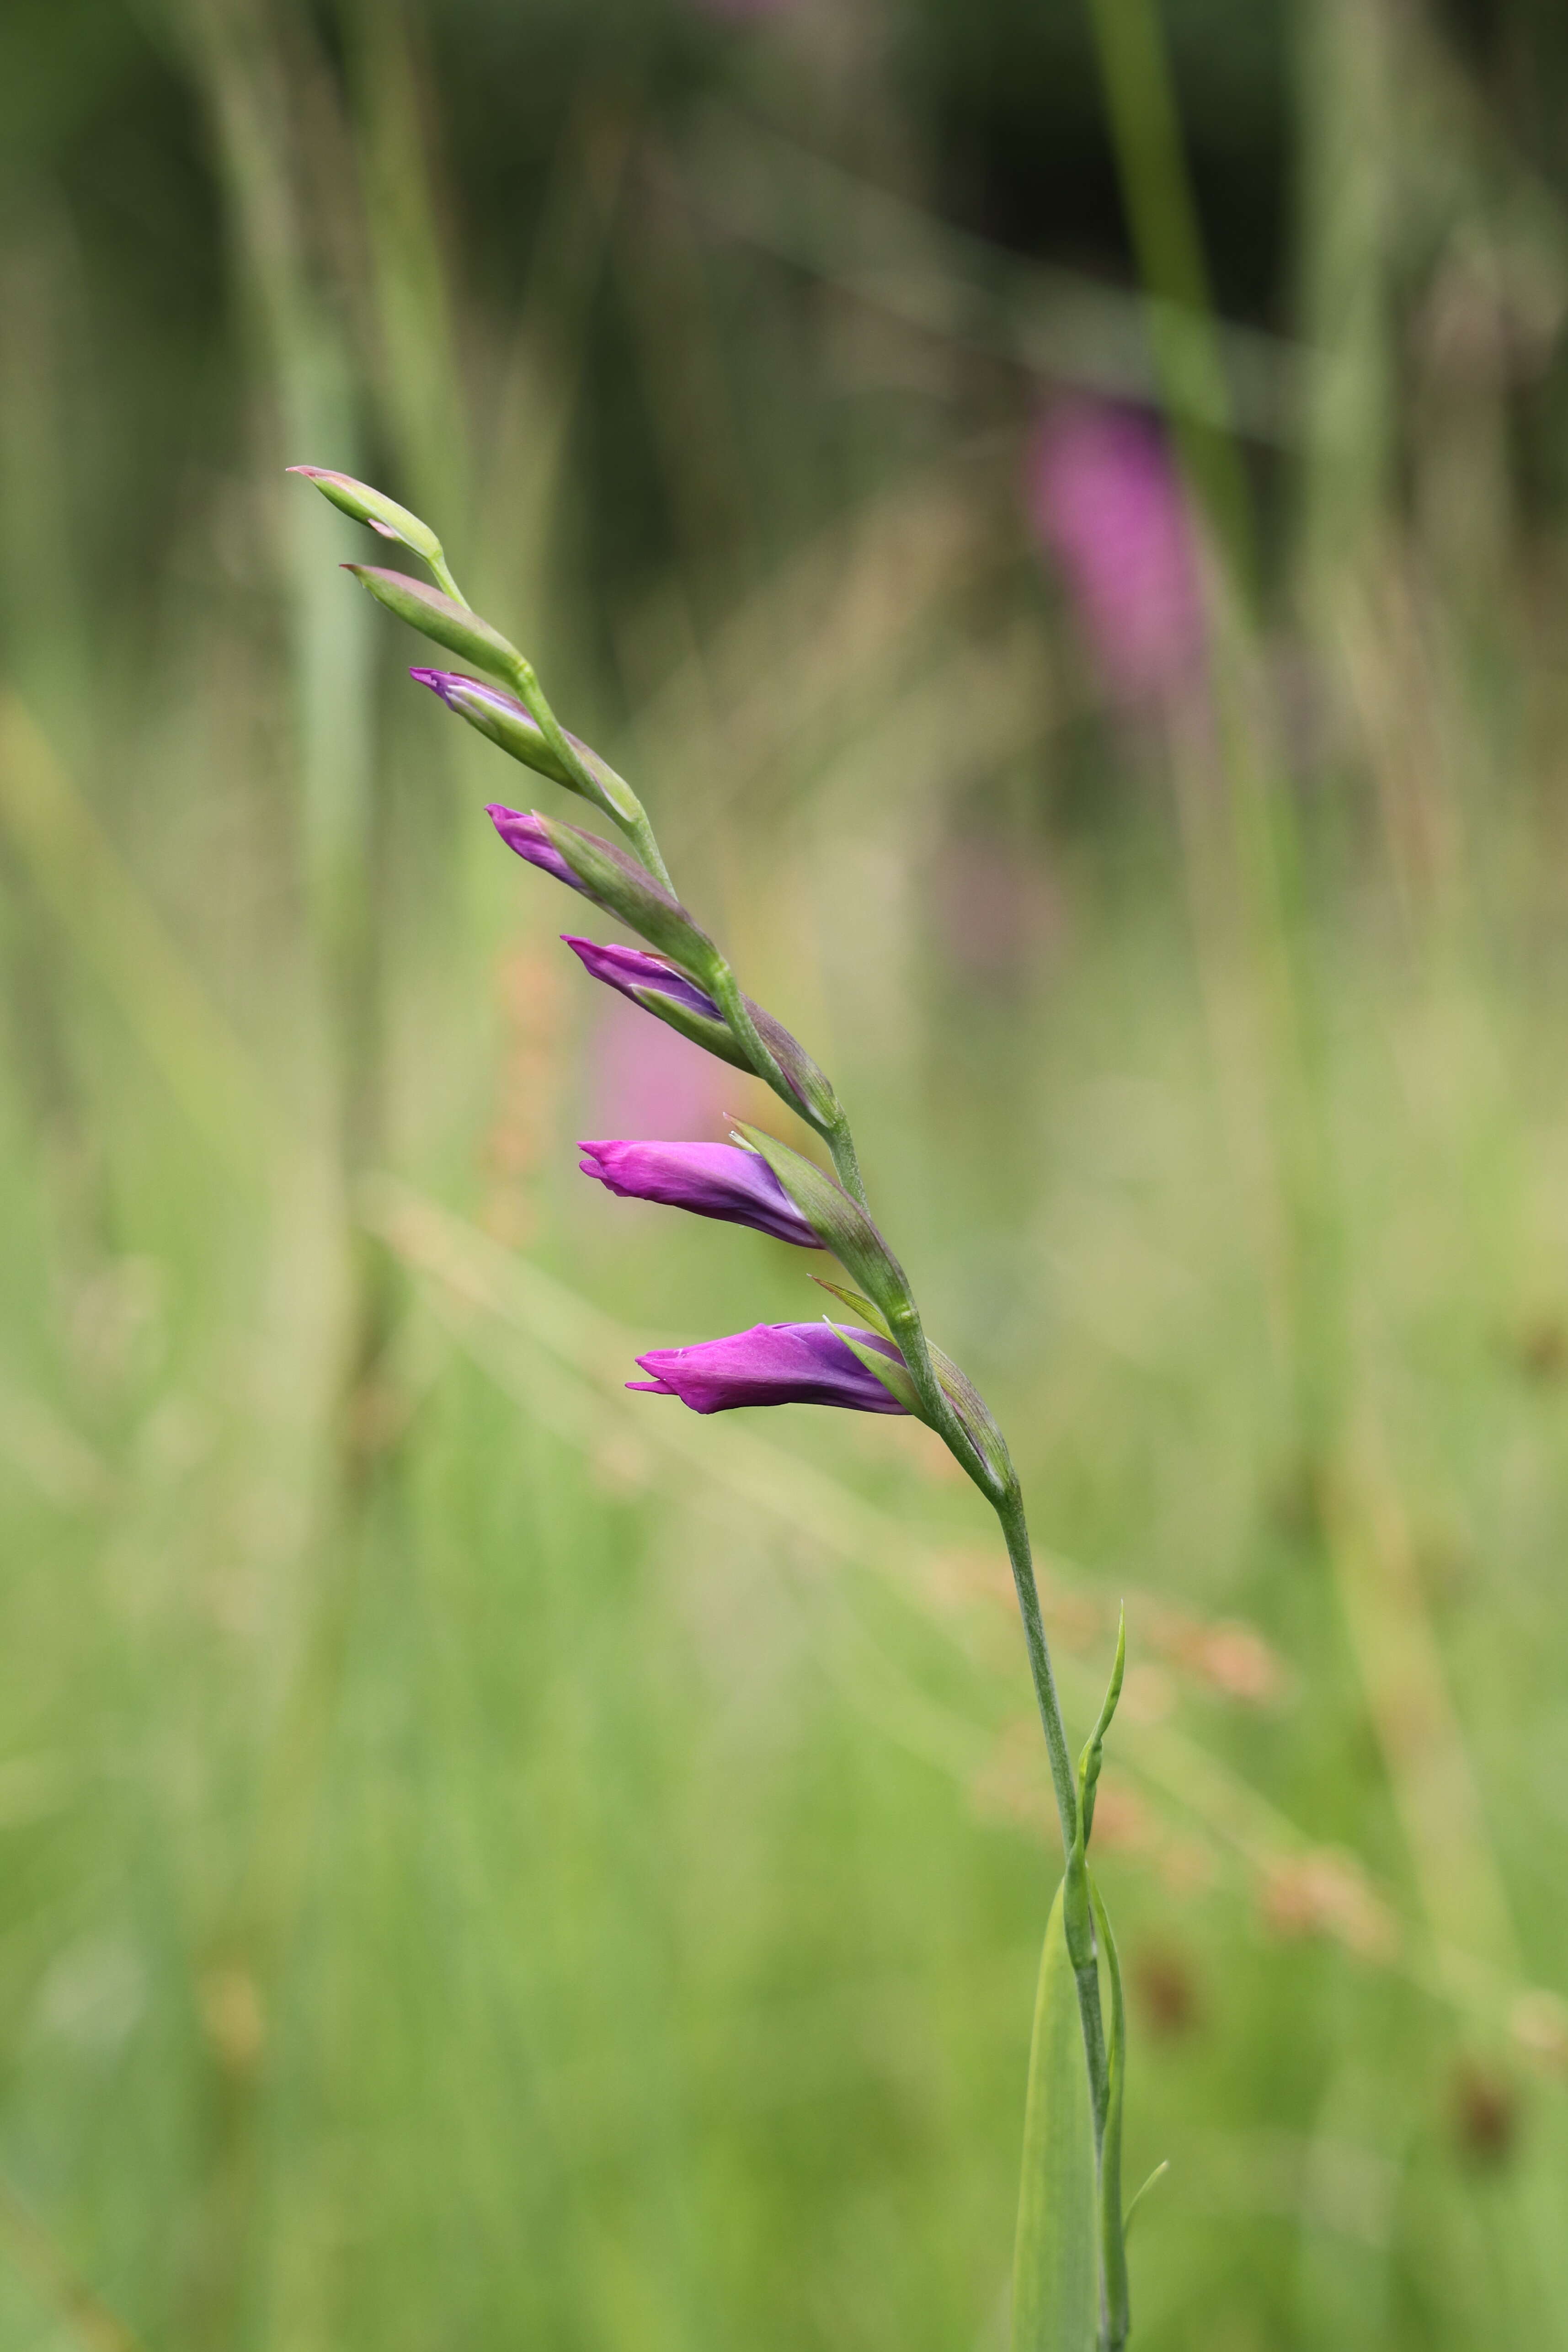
{"x":489,"y":1858}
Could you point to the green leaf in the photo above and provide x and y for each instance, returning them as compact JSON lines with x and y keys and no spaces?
{"x":1056,"y":2267}
{"x":1112,"y":2221}
{"x":1089,"y":1763}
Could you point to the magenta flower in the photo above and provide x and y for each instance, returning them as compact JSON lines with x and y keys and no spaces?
{"x":1105,"y":497}
{"x":712,"y":1179}
{"x":776,"y":1364}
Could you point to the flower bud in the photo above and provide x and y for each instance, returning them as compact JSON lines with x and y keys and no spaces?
{"x":656,"y":986}
{"x":506,"y":721}
{"x":610,"y":879}
{"x":373,"y":506}
{"x":712,"y":1179}
{"x":451,"y":625}
{"x":776,"y":1364}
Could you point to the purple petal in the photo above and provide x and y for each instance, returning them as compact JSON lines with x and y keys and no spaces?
{"x":454,"y":685}
{"x":776,"y":1364}
{"x":712,"y":1179}
{"x":529,"y":838}
{"x":632,"y":967}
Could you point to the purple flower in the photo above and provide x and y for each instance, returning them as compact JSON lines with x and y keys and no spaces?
{"x":1107,"y":501}
{"x":712,"y":1179}
{"x":776,"y":1364}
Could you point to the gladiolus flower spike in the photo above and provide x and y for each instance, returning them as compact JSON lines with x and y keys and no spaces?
{"x":880,"y":1362}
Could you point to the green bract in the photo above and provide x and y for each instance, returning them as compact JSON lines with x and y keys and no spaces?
{"x":840,"y":1223}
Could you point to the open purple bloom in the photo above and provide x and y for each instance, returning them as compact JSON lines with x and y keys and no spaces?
{"x":712,"y":1179}
{"x":776,"y":1364}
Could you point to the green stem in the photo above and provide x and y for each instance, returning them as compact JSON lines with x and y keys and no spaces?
{"x":446,"y":585}
{"x":640,"y":834}
{"x":1075,"y":1907}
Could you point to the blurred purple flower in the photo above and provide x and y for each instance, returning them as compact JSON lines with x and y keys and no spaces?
{"x":1105,"y":497}
{"x":630,"y":969}
{"x":712,"y":1179}
{"x":647,"y":1078}
{"x":776,"y":1364}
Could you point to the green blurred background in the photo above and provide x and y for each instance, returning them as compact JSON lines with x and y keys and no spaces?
{"x":491,"y":1861}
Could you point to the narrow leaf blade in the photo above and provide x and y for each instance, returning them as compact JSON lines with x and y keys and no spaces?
{"x":1056,"y":2280}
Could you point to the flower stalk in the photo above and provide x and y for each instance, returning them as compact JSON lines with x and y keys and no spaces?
{"x":882,"y":1362}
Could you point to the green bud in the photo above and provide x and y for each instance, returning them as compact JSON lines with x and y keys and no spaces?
{"x":373,"y":506}
{"x":507,"y":722}
{"x":450,"y":624}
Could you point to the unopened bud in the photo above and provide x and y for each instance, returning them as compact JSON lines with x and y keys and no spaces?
{"x":437,"y":616}
{"x":373,"y":506}
{"x":506,"y":721}
{"x":612,"y":879}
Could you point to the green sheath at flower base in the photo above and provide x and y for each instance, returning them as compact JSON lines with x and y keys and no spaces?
{"x":957,"y":1387}
{"x":895,"y":1377}
{"x":839,"y":1223}
{"x":383,"y":514}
